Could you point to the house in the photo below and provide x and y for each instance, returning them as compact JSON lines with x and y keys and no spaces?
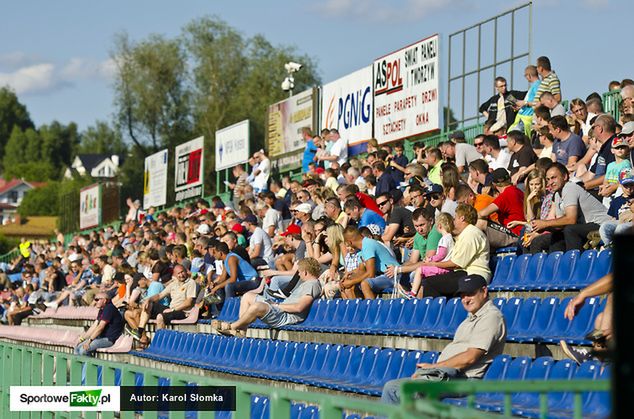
{"x":95,"y":165}
{"x":11,"y":195}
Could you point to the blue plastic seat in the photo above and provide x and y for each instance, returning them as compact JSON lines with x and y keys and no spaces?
{"x":382,"y":364}
{"x":533,"y":271}
{"x":602,"y":266}
{"x":539,"y":370}
{"x":335,"y":366}
{"x":518,"y":272}
{"x":599,"y":403}
{"x":541,"y":321}
{"x":547,"y":274}
{"x":453,"y":320}
{"x":499,"y":302}
{"x":432,"y":316}
{"x":510,"y":310}
{"x":392,"y":317}
{"x":333,"y":315}
{"x":346,"y":368}
{"x":561,"y":370}
{"x":516,"y":370}
{"x":579,"y":277}
{"x":524,"y":318}
{"x":502,"y":271}
{"x":409,"y":364}
{"x":429,"y":357}
{"x":372,"y":315}
{"x":400,"y":325}
{"x":574,"y":331}
{"x":313,"y":314}
{"x":587,"y":371}
{"x":384,"y":307}
{"x":419,"y":311}
{"x":564,"y":270}
{"x":496,"y":371}
{"x":359,"y":369}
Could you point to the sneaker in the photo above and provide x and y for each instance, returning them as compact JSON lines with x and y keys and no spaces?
{"x":404,"y":294}
{"x":136,"y":335}
{"x":212,"y":299}
{"x":277,"y":294}
{"x":579,"y":355}
{"x":51,"y":304}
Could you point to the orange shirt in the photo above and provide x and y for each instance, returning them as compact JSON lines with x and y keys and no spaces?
{"x":481,"y":202}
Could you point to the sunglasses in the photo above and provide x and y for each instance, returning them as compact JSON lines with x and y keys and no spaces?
{"x":477,"y":144}
{"x":380,"y":204}
{"x":434,"y":196}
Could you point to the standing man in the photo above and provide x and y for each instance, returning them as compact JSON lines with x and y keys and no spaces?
{"x":105,"y":331}
{"x":310,"y":150}
{"x":526,"y":112}
{"x":339,"y":150}
{"x":499,"y":110}
{"x":550,"y":81}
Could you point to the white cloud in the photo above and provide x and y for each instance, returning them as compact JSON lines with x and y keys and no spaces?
{"x":26,"y":75}
{"x":379,"y":11}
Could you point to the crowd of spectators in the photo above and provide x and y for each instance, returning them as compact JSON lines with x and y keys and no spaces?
{"x":538,"y":178}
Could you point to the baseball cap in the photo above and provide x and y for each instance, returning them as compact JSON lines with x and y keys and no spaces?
{"x":237,"y":228}
{"x":320,"y":170}
{"x":470,"y":283}
{"x":292,"y":229}
{"x":433,"y":188}
{"x":626,"y":177}
{"x":628,"y":128}
{"x":305,"y":208}
{"x":500,"y":175}
{"x":456,"y":134}
{"x":203,"y":229}
{"x":619,"y":142}
{"x":219,"y":205}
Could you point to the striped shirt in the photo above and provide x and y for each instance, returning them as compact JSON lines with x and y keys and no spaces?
{"x":550,"y":83}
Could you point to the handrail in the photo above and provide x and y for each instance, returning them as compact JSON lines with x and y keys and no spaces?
{"x":31,"y":366}
{"x":434,"y":390}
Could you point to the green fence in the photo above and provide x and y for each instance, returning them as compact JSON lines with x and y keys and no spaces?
{"x":434,"y":391}
{"x":30,"y":366}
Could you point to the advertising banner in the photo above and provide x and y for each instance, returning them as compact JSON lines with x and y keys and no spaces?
{"x":285,"y":121}
{"x":90,"y":206}
{"x":189,"y":169}
{"x":406,"y":101}
{"x":346,"y":104}
{"x":232,"y":145}
{"x":155,"y":180}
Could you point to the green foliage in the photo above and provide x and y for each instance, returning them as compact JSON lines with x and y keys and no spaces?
{"x":101,"y":139}
{"x":12,"y":114}
{"x":41,"y":201}
{"x":7,"y":244}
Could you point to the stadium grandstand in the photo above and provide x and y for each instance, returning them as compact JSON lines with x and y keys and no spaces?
{"x":467,"y":273}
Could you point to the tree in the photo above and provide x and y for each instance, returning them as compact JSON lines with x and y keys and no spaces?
{"x":41,"y":201}
{"x":150,"y":92}
{"x":101,"y":139}
{"x":12,"y":114}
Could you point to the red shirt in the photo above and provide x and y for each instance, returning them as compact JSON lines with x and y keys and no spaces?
{"x":369,"y":203}
{"x":510,"y":205}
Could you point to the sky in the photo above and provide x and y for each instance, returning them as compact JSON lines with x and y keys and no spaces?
{"x":56,"y":54}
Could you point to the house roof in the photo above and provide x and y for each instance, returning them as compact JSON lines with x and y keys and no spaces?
{"x":7,"y":185}
{"x":90,"y":161}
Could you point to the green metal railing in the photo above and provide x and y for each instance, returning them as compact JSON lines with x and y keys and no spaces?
{"x":434,"y":390}
{"x":30,"y":366}
{"x":611,"y":102}
{"x":8,"y":257}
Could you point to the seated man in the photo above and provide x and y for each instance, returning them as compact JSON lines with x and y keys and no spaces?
{"x":182,"y":292}
{"x":377,"y":257}
{"x":105,"y":331}
{"x":237,"y":277}
{"x":292,"y":310}
{"x":478,"y":340}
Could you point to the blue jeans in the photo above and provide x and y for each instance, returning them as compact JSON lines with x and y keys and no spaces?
{"x":392,"y":389}
{"x":609,"y":229}
{"x":240,"y":287}
{"x":380,"y":283}
{"x":94,"y":345}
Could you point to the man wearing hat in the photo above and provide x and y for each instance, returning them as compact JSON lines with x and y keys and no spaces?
{"x":477,"y":341}
{"x":509,"y":206}
{"x":628,"y":133}
{"x":460,"y":151}
{"x":260,"y":245}
{"x":302,"y":212}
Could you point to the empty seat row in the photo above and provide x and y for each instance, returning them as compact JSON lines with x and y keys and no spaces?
{"x":59,"y":337}
{"x":560,"y":404}
{"x":528,"y":320}
{"x":556,"y":271}
{"x":69,"y":313}
{"x":357,"y":369}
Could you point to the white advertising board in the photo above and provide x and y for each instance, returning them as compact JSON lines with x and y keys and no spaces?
{"x":90,"y":206}
{"x":406,"y":101}
{"x":155,"y":180}
{"x":189,"y":169}
{"x":232,"y":145}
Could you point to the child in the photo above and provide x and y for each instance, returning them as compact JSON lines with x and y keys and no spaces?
{"x":621,"y":151}
{"x":444,"y":225}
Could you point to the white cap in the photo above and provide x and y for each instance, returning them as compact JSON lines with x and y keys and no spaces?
{"x":305,"y":208}
{"x":203,"y":229}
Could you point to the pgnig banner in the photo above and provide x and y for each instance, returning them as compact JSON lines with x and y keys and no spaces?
{"x":124,"y":398}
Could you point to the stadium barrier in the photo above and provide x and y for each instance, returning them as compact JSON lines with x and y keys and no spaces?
{"x":434,"y":390}
{"x":30,"y":366}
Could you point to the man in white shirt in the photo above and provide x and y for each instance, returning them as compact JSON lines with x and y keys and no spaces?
{"x":260,"y":245}
{"x":261,"y":173}
{"x":500,"y":157}
{"x":338,"y":151}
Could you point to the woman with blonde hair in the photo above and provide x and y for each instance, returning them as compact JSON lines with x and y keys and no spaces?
{"x":330,"y":278}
